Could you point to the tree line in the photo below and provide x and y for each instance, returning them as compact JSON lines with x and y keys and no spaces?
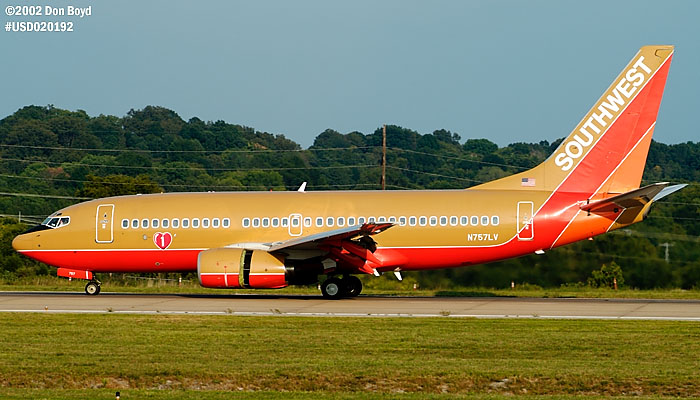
{"x":51,"y":158}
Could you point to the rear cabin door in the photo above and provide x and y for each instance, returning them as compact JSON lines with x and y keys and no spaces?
{"x":104,"y":229}
{"x":526,"y":230}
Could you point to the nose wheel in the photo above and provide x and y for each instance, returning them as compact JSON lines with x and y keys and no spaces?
{"x":92,"y":288}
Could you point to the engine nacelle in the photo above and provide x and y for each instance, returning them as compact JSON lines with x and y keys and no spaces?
{"x":240,"y":268}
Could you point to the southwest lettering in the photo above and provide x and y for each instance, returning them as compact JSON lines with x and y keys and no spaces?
{"x":640,"y":63}
{"x":603,"y":113}
{"x":623,"y":87}
{"x":615,"y":101}
{"x":608,"y":109}
{"x":588,"y":136}
{"x":589,"y":124}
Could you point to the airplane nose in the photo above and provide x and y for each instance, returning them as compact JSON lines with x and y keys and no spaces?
{"x":21,"y":242}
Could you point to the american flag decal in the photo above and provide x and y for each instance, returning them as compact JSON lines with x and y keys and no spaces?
{"x":527,"y":182}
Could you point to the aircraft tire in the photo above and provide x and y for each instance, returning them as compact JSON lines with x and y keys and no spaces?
{"x":92,"y":288}
{"x":352,"y":286}
{"x":332,"y":288}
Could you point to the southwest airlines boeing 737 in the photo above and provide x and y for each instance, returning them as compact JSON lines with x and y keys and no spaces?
{"x":589,"y":186}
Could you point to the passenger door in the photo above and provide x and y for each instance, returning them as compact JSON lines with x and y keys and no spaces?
{"x":104,"y":221}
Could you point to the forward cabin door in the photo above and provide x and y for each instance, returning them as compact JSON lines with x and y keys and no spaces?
{"x":104,"y":229}
{"x":526,"y":230}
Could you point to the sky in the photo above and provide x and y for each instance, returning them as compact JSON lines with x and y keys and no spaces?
{"x":508,"y":71}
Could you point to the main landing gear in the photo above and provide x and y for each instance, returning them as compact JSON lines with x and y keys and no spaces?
{"x":335,"y":288}
{"x":93,"y":287}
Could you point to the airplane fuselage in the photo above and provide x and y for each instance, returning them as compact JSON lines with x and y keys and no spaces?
{"x":433,"y":229}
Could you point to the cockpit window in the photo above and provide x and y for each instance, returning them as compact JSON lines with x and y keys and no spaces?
{"x":56,"y":222}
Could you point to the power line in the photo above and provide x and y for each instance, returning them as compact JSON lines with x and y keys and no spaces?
{"x":86,"y":149}
{"x":44,"y":196}
{"x":460,"y":159}
{"x":198,"y":168}
{"x":433,"y":174}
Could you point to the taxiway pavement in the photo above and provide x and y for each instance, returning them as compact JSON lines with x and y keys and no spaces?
{"x":370,"y":306}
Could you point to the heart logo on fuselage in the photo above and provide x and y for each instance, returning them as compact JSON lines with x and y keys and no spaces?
{"x":162,"y":239}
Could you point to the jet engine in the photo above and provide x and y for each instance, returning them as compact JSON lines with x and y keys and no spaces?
{"x":242,"y":268}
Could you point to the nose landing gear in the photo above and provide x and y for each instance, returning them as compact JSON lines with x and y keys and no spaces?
{"x":92,"y":288}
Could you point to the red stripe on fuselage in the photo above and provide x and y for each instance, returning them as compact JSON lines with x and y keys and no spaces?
{"x":119,"y":260}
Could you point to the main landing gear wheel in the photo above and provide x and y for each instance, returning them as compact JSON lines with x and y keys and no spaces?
{"x":92,"y":288}
{"x":335,"y":288}
{"x":352,"y":286}
{"x":332,"y":288}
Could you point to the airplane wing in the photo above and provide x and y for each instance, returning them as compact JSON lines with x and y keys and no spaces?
{"x":350,"y":246}
{"x":635,"y":198}
{"x":312,"y":241}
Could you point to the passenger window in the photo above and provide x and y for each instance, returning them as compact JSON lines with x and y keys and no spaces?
{"x":453,"y":220}
{"x":371,"y":220}
{"x":402,"y":221}
{"x":246,"y":222}
{"x":185,"y":223}
{"x":226,"y":223}
{"x":275,"y":222}
{"x":125,"y":224}
{"x":392,"y":219}
{"x":464,"y":220}
{"x":296,"y":221}
{"x":443,"y":220}
{"x":484,"y":220}
{"x":329,"y":221}
{"x":360,"y":220}
{"x":155,"y":223}
{"x":307,"y":222}
{"x":495,"y":220}
{"x":319,"y":222}
{"x":134,"y":223}
{"x":285,"y":222}
{"x":205,"y":223}
{"x":176,"y":223}
{"x":256,"y":222}
{"x":166,"y":223}
{"x":265,"y":222}
{"x":433,"y":221}
{"x":351,"y":221}
{"x":144,"y":223}
{"x":341,"y":221}
{"x":412,"y":221}
{"x":475,"y":221}
{"x":215,"y":223}
{"x":422,"y":220}
{"x":381,"y":219}
{"x":195,"y":222}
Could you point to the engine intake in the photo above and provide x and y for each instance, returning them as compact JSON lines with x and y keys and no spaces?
{"x":240,"y":268}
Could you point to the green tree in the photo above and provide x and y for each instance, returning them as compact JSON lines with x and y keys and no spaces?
{"x":607,"y":276}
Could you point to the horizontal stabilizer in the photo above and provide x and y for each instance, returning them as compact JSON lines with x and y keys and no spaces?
{"x":635,"y":198}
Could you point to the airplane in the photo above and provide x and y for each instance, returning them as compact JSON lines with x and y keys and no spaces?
{"x":589,"y":186}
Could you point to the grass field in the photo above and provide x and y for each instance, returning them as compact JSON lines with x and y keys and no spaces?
{"x":212,"y":357}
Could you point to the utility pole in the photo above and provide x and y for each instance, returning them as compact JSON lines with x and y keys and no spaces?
{"x":666,"y":245}
{"x":384,"y":157}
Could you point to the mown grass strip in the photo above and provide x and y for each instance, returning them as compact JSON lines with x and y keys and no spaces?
{"x":349,"y":355}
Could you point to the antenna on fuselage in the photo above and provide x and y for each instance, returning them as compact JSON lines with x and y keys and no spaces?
{"x":302,"y":188}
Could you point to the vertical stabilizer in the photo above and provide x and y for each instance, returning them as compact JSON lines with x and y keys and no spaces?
{"x":607,"y":150}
